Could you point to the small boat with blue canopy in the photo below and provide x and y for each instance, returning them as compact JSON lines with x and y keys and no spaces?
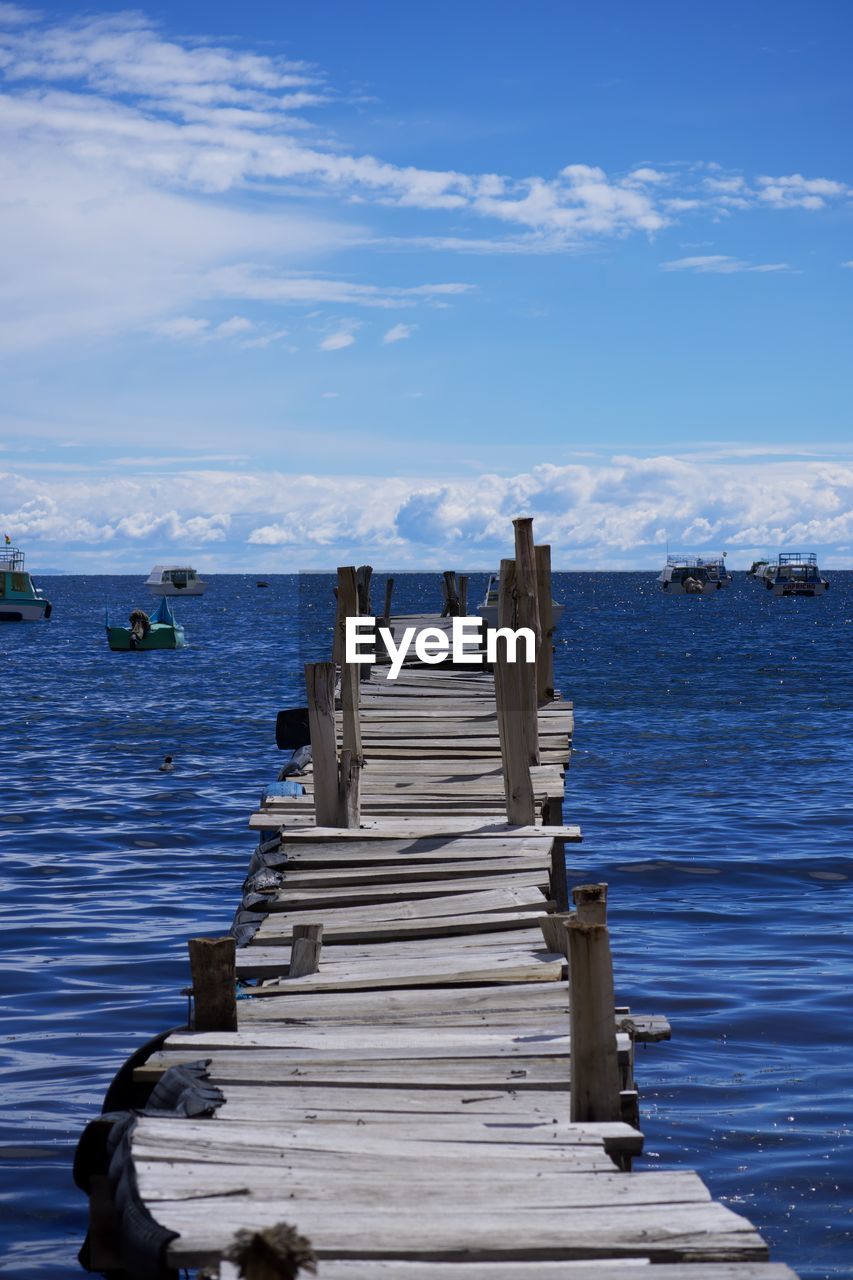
{"x":160,"y":631}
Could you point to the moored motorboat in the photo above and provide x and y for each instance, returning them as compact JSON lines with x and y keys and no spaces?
{"x":795,"y":573}
{"x":756,"y":569}
{"x":684,"y":575}
{"x":174,"y":580}
{"x":20,"y":599}
{"x":160,"y":631}
{"x":488,"y":610}
{"x":716,"y":568}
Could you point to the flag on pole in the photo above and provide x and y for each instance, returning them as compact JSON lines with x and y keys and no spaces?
{"x":8,"y":540}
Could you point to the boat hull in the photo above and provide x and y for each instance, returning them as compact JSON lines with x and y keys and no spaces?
{"x":805,"y":590}
{"x":678,"y":589}
{"x":24,"y":610}
{"x":160,"y":636}
{"x":169,"y":589}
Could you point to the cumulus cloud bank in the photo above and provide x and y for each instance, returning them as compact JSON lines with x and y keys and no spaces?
{"x":610,"y":513}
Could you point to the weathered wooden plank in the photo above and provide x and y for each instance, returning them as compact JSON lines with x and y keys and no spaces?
{"x":417,"y":828}
{"x":603,"y":1269}
{"x":276,"y":929}
{"x":660,"y":1232}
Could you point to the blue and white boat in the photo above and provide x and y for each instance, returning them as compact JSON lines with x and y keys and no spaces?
{"x":795,"y":573}
{"x":20,"y":599}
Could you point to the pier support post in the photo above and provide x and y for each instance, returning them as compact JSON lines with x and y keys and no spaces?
{"x":320,"y":687}
{"x":463,"y":595}
{"x":590,"y":903}
{"x":554,"y":932}
{"x":386,"y":609}
{"x":451,"y":595}
{"x":518,"y":787}
{"x":305,"y":948}
{"x":559,"y":886}
{"x":545,"y":600}
{"x":214,"y":981}
{"x":527,"y":615}
{"x":363,"y":577}
{"x":594,"y":1065}
{"x":348,"y":594}
{"x":349,"y":790}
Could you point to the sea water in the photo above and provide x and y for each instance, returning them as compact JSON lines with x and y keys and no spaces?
{"x":711,"y":777}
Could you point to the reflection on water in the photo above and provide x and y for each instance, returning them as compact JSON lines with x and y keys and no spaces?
{"x":711,"y":778}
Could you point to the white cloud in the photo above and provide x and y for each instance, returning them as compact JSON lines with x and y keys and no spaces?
{"x":183,"y":327}
{"x":228,"y":328}
{"x":337,"y":341}
{"x":592,"y":512}
{"x":146,"y":177}
{"x":720,"y":264}
{"x":399,"y":333}
{"x":795,"y":191}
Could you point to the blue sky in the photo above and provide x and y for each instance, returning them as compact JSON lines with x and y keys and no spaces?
{"x":290,"y":285}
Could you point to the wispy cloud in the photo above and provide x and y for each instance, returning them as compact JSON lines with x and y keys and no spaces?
{"x":399,"y":333}
{"x":337,"y":341}
{"x":203,"y":157}
{"x":720,"y":264}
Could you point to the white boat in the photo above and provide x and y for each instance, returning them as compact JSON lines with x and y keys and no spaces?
{"x":794,"y":573}
{"x":488,"y":610}
{"x":174,"y":580}
{"x":690,"y":575}
{"x":20,"y":599}
{"x":716,"y":566}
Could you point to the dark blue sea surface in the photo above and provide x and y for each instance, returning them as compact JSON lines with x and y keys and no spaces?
{"x":711,"y":777}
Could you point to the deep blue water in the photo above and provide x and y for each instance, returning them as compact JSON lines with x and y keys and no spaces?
{"x":712,"y":780}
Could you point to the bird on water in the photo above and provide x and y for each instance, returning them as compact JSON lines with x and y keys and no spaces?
{"x":168,"y":765}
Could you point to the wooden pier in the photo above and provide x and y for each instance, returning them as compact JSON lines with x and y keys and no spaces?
{"x":407,"y":1086}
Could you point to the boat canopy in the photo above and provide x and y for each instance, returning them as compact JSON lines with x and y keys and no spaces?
{"x":163,"y":613}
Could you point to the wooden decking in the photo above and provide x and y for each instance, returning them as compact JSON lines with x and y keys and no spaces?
{"x":406,"y":1107}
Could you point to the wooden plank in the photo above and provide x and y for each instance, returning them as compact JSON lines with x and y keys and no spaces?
{"x":660,"y":1232}
{"x":276,"y":929}
{"x":416,"y":828}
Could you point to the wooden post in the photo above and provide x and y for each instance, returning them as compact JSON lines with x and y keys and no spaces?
{"x":451,"y":595}
{"x":348,"y":602}
{"x":594,"y":1066}
{"x":363,"y":577}
{"x":214,"y":978}
{"x":590,"y":903}
{"x":320,"y":686}
{"x":305,"y":948}
{"x":545,"y":599}
{"x":554,"y":932}
{"x":386,"y":611}
{"x":349,"y":790}
{"x":463,"y":595}
{"x":518,"y":787}
{"x":527,"y":615}
{"x":338,"y":635}
{"x":559,"y":888}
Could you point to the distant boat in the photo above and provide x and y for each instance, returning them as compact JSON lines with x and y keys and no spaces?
{"x":488,"y":610}
{"x":20,"y":599}
{"x":716,"y":566}
{"x":756,"y":569}
{"x":690,"y":575}
{"x":174,"y":580}
{"x":262,"y":584}
{"x":794,"y":573}
{"x":160,"y":631}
